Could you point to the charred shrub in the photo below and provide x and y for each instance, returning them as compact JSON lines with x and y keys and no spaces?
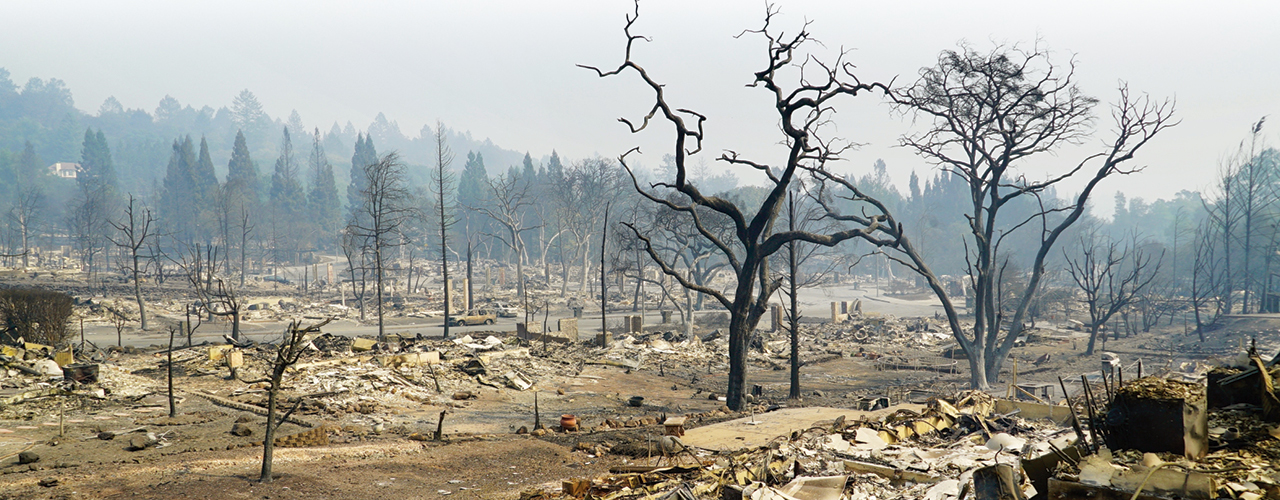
{"x":35,"y":315}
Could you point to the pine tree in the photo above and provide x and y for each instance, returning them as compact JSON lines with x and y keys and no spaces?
{"x":473,"y":183}
{"x":365,"y":155}
{"x":91,"y":206}
{"x":177,"y":211}
{"x":28,"y":201}
{"x":473,"y":190}
{"x":203,"y":177}
{"x":288,"y":199}
{"x":325,"y":207}
{"x":249,"y":117}
{"x":242,"y":174}
{"x":555,"y":170}
{"x":96,"y":169}
{"x":27,"y":170}
{"x":529,"y":174}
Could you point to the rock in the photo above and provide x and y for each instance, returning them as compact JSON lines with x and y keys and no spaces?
{"x":106,"y":436}
{"x":818,"y":394}
{"x":244,"y":419}
{"x":463,"y":395}
{"x":539,"y":432}
{"x":361,"y":344}
{"x":522,"y":430}
{"x":241,"y":429}
{"x":141,"y":442}
{"x":48,"y":482}
{"x":28,"y":457}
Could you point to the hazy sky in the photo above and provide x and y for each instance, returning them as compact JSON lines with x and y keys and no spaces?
{"x":505,"y":70}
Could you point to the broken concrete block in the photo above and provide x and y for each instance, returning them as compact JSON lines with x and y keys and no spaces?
{"x":235,"y":358}
{"x":218,"y":352}
{"x":569,"y":328}
{"x":28,"y":457}
{"x":361,"y":344}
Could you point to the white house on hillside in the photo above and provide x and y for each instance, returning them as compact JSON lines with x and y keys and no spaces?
{"x":65,"y":170}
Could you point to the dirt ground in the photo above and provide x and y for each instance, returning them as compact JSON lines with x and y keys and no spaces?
{"x":393,"y":468}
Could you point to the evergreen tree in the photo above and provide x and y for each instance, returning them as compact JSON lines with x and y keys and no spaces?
{"x":178,"y":213}
{"x":325,"y":206}
{"x":28,"y":168}
{"x":27,"y":205}
{"x":473,"y":183}
{"x":294,"y":123}
{"x":473,"y":190}
{"x":288,"y":199}
{"x":242,"y":174}
{"x":529,"y":174}
{"x":364,"y":156}
{"x":286,"y":188}
{"x":96,"y":169}
{"x":248,"y":116}
{"x":203,"y":177}
{"x":110,"y":106}
{"x":555,"y":170}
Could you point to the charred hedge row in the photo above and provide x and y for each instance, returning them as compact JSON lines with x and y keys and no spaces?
{"x":35,"y":315}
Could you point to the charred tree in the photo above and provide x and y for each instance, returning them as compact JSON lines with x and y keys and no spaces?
{"x":133,"y":231}
{"x":802,"y":110}
{"x":443,"y":180}
{"x":291,"y":348}
{"x":987,"y":114}
{"x":386,"y":205}
{"x":1111,"y":278}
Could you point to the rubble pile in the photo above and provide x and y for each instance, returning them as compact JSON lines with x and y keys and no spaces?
{"x":1114,"y":443}
{"x":903,"y":454}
